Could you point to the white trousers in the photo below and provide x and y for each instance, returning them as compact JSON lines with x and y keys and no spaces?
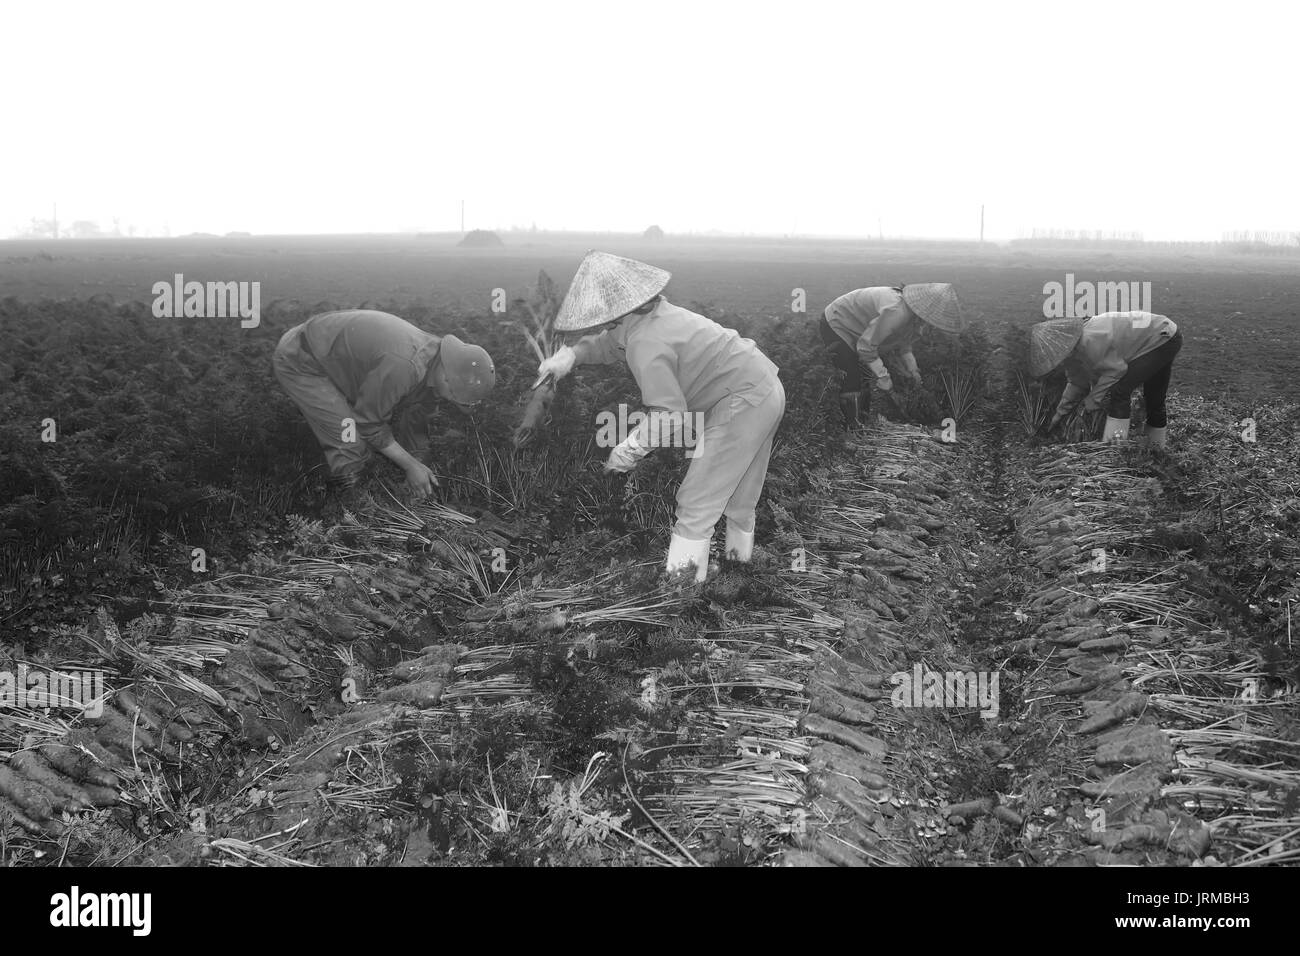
{"x":726,"y":476}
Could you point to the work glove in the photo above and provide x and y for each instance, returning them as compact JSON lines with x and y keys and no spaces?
{"x":883,"y":381}
{"x":625,"y":456}
{"x":558,"y":365}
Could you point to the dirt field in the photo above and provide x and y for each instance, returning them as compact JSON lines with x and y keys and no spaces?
{"x":1239,"y":313}
{"x":500,"y":676}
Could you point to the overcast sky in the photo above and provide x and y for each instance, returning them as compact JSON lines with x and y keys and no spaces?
{"x":1177,"y":120}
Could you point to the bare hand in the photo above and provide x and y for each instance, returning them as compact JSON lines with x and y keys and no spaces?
{"x":422,"y":480}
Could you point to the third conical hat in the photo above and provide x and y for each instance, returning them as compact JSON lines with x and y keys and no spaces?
{"x":1050,"y":342}
{"x":606,"y":287}
{"x":936,"y":303}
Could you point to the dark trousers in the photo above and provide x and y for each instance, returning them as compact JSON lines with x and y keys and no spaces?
{"x":1151,"y":371}
{"x":843,"y":356}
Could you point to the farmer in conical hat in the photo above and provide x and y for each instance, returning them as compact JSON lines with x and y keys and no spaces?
{"x":859,"y":325}
{"x":692,"y":372}
{"x":1106,"y":357}
{"x":351,"y":373}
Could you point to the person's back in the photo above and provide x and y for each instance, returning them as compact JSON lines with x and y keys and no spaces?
{"x":1127,"y":335}
{"x":850,"y":314}
{"x":708,"y":361}
{"x":350,"y":344}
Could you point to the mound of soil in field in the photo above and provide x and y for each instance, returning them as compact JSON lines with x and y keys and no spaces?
{"x":480,"y":239}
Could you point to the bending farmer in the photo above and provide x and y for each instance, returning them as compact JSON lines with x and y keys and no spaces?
{"x":351,"y":373}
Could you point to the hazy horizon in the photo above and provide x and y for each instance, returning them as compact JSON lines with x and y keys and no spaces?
{"x":1161,"y":120}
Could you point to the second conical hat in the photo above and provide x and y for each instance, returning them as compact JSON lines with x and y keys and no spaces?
{"x":936,"y":303}
{"x":606,"y":287}
{"x":1050,"y":342}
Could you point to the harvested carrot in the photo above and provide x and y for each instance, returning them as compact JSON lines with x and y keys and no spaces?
{"x":1101,"y":645}
{"x":1142,"y":779}
{"x":31,"y":797}
{"x":420,"y":694}
{"x":131,"y":706}
{"x":29,"y":764}
{"x":853,"y":686}
{"x":834,"y":758}
{"x":81,"y":755}
{"x":969,"y":809}
{"x":1152,"y":746}
{"x":340,"y":628}
{"x":35,"y":828}
{"x":537,"y":413}
{"x":271,"y":640}
{"x":831,"y":703}
{"x":831,"y":849}
{"x":845,"y":793}
{"x":1080,"y":685}
{"x":115,"y":731}
{"x":102,"y":796}
{"x":345,"y":586}
{"x":267,"y":660}
{"x":373,"y":615}
{"x":422,"y":669}
{"x":820,"y":726}
{"x":1008,"y":816}
{"x":1128,"y":705}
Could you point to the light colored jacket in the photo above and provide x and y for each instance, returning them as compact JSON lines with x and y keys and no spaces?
{"x":1110,"y":341}
{"x":376,"y":360}
{"x":875,"y":319}
{"x":682,"y":361}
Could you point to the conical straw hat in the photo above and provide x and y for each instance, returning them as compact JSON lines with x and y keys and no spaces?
{"x":936,"y":303}
{"x":1050,"y":342}
{"x":606,"y":287}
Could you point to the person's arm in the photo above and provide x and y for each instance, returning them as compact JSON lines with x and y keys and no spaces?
{"x":387,"y":384}
{"x":600,"y":349}
{"x":1076,"y":387}
{"x":909,"y":363}
{"x":419,"y":475}
{"x":1110,"y":370}
{"x":880,"y":330}
{"x":654,"y":367}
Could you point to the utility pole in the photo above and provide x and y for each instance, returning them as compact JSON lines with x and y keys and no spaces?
{"x":981,"y":222}
{"x":462,"y":217}
{"x":56,"y":220}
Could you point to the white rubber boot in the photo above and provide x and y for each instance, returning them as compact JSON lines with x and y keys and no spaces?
{"x":740,"y":544}
{"x":683,"y":552}
{"x":1116,"y":429}
{"x":1156,"y":437}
